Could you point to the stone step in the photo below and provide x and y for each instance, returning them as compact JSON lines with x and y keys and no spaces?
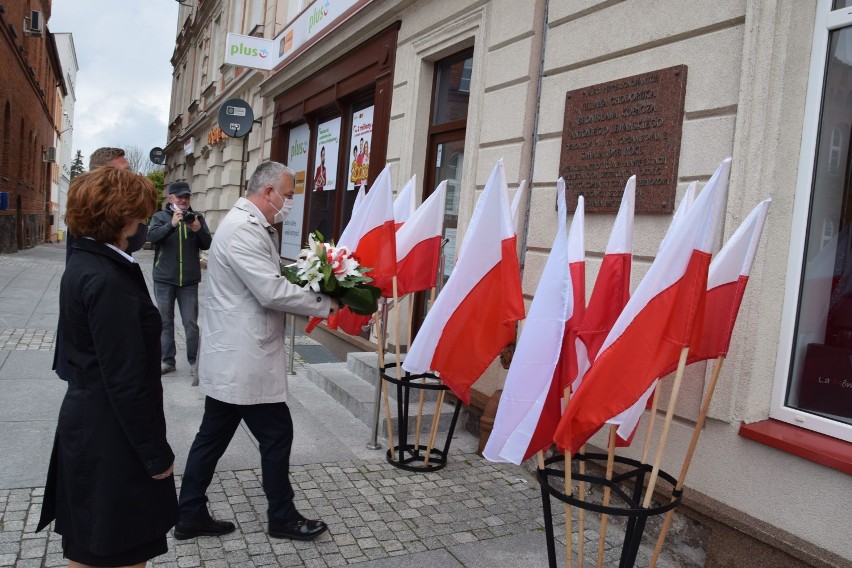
{"x":357,"y":395}
{"x":366,"y":365}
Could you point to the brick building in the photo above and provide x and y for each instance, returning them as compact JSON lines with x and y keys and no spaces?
{"x":31,"y":89}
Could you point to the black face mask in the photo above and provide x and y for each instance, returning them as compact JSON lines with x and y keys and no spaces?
{"x":137,"y":240}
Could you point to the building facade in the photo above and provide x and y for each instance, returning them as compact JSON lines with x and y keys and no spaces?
{"x":64,"y":142}
{"x":197,"y":150}
{"x":31,"y":88}
{"x":443,"y":89}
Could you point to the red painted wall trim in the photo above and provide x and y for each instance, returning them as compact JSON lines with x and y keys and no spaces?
{"x":812,"y":446}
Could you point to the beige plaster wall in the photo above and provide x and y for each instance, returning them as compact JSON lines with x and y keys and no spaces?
{"x":748,"y":66}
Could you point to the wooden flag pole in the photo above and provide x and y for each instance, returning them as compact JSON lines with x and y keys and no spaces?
{"x":381,"y":336}
{"x":699,"y":425}
{"x":652,"y":419}
{"x":540,"y":458}
{"x":423,"y":380}
{"x":655,"y":471}
{"x":439,"y":404}
{"x":396,"y":329}
{"x":610,"y":460}
{"x":581,"y":541}
{"x":569,"y":521}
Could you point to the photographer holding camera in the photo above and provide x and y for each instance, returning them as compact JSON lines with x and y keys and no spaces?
{"x":178,"y":235}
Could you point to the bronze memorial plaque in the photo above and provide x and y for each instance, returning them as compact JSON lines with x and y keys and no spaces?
{"x":626,"y":127}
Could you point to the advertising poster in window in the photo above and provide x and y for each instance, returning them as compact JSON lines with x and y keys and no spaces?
{"x":327,"y":152}
{"x":359,"y":153}
{"x":297,"y":159}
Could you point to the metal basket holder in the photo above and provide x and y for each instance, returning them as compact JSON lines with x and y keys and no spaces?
{"x":409,"y":455}
{"x":627,"y":504}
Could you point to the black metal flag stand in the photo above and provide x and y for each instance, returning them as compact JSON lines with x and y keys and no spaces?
{"x":409,"y":454}
{"x":626,"y":489}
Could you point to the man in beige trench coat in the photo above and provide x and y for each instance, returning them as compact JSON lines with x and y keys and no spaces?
{"x":242,"y":366}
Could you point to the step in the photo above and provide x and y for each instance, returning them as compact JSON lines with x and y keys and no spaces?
{"x":357,"y":395}
{"x":366,"y":365}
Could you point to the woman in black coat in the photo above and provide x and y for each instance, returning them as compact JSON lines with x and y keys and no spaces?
{"x":110,"y":486}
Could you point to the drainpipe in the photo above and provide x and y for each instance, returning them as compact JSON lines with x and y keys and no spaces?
{"x":542,"y":16}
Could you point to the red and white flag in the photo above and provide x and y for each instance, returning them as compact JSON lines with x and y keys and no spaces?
{"x":405,"y":203}
{"x":370,"y":233}
{"x":359,"y":198}
{"x":474,"y":316}
{"x":726,"y":283}
{"x":531,"y":403}
{"x":517,"y":200}
{"x":612,"y":286}
{"x":371,"y":236}
{"x":661,"y":311}
{"x":627,"y":420}
{"x":418,"y":244}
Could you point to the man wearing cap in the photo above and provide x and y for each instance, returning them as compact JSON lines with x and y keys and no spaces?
{"x":178,"y":235}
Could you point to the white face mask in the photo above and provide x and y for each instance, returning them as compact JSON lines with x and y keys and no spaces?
{"x":281,"y":214}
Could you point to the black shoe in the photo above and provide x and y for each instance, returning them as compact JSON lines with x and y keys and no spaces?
{"x":302,"y":529}
{"x":203,"y":526}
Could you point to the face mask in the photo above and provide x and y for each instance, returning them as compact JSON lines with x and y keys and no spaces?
{"x":281,"y":214}
{"x":137,"y":240}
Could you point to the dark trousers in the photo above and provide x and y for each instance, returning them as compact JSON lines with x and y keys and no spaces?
{"x":187,"y":299}
{"x":271,"y":425}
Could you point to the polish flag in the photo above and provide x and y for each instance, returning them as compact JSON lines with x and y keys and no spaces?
{"x":517,"y":200}
{"x":629,"y":419}
{"x":405,"y":203}
{"x":474,"y":316}
{"x":612,"y":286}
{"x":418,"y":244}
{"x":531,"y":403}
{"x":662,"y":310}
{"x":359,"y":198}
{"x":726,"y":283}
{"x":371,"y":236}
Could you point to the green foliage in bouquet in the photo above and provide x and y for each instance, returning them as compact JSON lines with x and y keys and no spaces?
{"x":322,"y":267}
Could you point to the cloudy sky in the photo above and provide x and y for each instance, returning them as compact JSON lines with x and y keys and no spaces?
{"x":124,"y":82}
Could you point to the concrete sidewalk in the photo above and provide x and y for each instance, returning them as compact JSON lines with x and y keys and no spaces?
{"x":472,"y":513}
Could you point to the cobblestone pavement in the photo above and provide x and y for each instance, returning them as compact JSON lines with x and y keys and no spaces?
{"x":373,"y":511}
{"x":471,"y":513}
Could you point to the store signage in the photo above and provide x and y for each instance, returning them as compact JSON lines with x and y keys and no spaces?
{"x":319,"y":18}
{"x":625,"y":127}
{"x":215,"y":136}
{"x":297,"y":160}
{"x":189,"y":146}
{"x":326,"y":154}
{"x":249,"y":51}
{"x":362,"y":138}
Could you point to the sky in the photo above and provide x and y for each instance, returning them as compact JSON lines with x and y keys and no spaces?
{"x":124,"y":83}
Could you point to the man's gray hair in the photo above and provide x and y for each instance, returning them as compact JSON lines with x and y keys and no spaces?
{"x":268,"y":173}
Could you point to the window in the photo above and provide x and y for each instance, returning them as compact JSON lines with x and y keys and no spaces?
{"x":254,"y":14}
{"x":237,"y":10}
{"x":217,"y":44}
{"x":813,"y":387}
{"x":445,"y":153}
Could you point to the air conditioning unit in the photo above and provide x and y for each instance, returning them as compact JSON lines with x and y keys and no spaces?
{"x":49,"y":155}
{"x":35,"y":25}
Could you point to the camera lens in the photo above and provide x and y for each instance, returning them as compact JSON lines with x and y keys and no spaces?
{"x":189,"y":217}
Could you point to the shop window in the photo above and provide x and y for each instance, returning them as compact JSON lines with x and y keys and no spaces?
{"x":816,"y":391}
{"x":324,"y":177}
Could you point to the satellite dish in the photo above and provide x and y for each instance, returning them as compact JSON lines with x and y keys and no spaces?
{"x":235,"y":118}
{"x":157,"y":155}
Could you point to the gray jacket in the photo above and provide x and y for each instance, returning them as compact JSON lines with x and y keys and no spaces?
{"x":177,"y":249}
{"x":242,"y":359}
